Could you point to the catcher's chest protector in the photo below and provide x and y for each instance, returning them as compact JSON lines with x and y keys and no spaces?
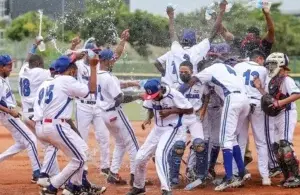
{"x":274,"y":87}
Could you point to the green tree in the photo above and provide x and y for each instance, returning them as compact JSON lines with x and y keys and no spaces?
{"x":27,"y":25}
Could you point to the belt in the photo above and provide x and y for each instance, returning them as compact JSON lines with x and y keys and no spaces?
{"x":254,"y":98}
{"x":236,"y":92}
{"x":90,"y":102}
{"x":216,"y":107}
{"x":30,"y":110}
{"x":49,"y":120}
{"x":111,"y":109}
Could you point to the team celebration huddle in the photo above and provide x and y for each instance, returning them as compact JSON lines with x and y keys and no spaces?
{"x":208,"y":99}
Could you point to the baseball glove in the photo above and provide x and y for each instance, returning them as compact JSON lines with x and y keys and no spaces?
{"x":270,"y":106}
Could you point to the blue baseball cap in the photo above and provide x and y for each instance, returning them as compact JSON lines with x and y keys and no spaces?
{"x":92,"y":46}
{"x":62,"y":64}
{"x":106,"y":54}
{"x":189,"y":36}
{"x":5,"y":60}
{"x":152,"y":88}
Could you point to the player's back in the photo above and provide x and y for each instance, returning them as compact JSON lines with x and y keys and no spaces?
{"x":248,"y":71}
{"x":58,"y":95}
{"x":224,"y":78}
{"x":30,"y":80}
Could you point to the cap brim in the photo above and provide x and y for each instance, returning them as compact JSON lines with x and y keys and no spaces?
{"x":150,"y":97}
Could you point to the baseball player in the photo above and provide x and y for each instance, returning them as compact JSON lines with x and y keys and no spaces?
{"x":57,"y":132}
{"x":249,"y":70}
{"x":212,"y":123}
{"x":283,"y":93}
{"x":50,"y":165}
{"x":109,"y":98}
{"x":230,"y":88}
{"x":31,"y":76}
{"x":188,"y":50}
{"x":198,"y":172}
{"x":23,"y":137}
{"x":166,"y":140}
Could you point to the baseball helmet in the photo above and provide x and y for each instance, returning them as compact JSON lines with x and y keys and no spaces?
{"x":276,"y":61}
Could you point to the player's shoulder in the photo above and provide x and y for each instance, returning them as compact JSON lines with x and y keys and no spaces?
{"x":172,"y":93}
{"x":104,"y":74}
{"x":288,"y":79}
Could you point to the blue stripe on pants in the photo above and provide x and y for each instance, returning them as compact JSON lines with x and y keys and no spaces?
{"x":269,"y":144}
{"x":165,"y":155}
{"x":32,"y":144}
{"x":51,"y":161}
{"x":286,"y":129}
{"x":224,"y":121}
{"x":130,"y":130}
{"x":72,"y":148}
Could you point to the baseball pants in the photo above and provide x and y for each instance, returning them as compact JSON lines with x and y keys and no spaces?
{"x":50,"y":164}
{"x":87,"y":115}
{"x":60,"y":135}
{"x":125,"y":140}
{"x":24,"y":139}
{"x":159,"y":142}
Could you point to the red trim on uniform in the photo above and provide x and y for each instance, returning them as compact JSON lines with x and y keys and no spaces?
{"x":49,"y":120}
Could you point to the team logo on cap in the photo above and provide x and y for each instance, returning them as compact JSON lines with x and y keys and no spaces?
{"x":149,"y":91}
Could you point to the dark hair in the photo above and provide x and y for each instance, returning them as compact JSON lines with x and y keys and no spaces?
{"x":254,"y":30}
{"x":35,"y":61}
{"x":188,"y":64}
{"x":257,"y":53}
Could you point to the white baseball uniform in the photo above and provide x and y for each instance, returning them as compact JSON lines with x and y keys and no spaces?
{"x":177,"y":55}
{"x":161,"y":138}
{"x":115,"y":120}
{"x":56,"y":131}
{"x":29,"y":81}
{"x":230,"y":88}
{"x":50,"y":164}
{"x":285,"y":122}
{"x":249,"y":70}
{"x":23,"y":137}
{"x":88,"y":113}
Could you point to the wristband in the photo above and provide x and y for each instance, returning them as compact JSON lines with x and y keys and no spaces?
{"x":33,"y":49}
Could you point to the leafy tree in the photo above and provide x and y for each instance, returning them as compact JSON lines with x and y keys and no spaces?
{"x":27,"y":25}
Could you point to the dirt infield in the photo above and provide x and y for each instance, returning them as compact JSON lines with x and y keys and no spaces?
{"x":16,"y":172}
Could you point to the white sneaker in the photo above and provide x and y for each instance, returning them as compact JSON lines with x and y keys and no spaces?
{"x":266,"y":181}
{"x":43,"y":182}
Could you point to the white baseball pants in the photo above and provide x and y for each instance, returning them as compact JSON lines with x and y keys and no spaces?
{"x":159,"y":142}
{"x":125,"y":140}
{"x":24,"y":139}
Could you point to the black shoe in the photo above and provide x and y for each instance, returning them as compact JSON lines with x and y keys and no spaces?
{"x":105,"y":172}
{"x":137,"y":191}
{"x":292,"y":182}
{"x":131,"y":180}
{"x":94,"y":189}
{"x":274,"y":172}
{"x":165,"y":192}
{"x":114,"y":178}
{"x":225,"y":184}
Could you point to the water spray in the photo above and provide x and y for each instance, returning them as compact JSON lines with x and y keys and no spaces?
{"x":42,"y":46}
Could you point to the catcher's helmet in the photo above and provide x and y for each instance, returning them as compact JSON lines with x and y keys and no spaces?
{"x":275,"y":61}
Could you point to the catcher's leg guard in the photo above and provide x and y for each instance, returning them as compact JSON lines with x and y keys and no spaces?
{"x":280,"y":160}
{"x":213,"y":160}
{"x":201,"y":149}
{"x":288,"y":155}
{"x":174,"y":160}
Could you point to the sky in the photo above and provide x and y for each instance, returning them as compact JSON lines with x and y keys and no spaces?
{"x":159,"y":6}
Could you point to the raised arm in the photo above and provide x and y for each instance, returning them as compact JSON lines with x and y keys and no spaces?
{"x":218,"y":22}
{"x":33,"y":49}
{"x":74,"y":43}
{"x":120,"y":48}
{"x":170,"y":12}
{"x":270,"y":37}
{"x":228,"y":36}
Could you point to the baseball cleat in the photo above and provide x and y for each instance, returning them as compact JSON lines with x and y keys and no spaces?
{"x":46,"y":191}
{"x":225,"y":184}
{"x":115,"y":179}
{"x":266,"y":181}
{"x":292,"y":182}
{"x":165,"y":192}
{"x":274,"y":172}
{"x":43,"y":182}
{"x":34,"y":180}
{"x":137,"y":191}
{"x":105,"y":172}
